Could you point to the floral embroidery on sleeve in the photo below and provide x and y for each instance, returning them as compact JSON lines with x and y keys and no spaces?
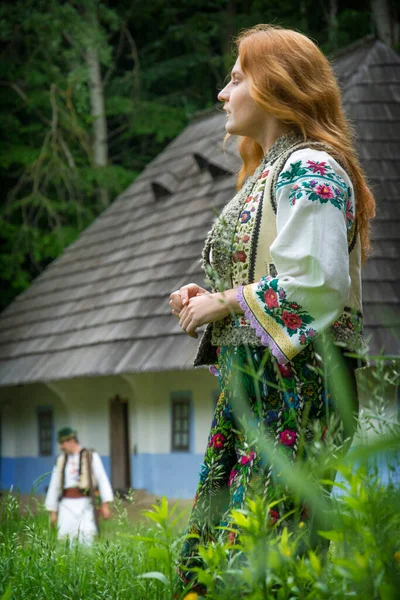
{"x":311,"y":284}
{"x":327,"y":187}
{"x":315,"y":191}
{"x":288,"y":321}
{"x":289,"y":315}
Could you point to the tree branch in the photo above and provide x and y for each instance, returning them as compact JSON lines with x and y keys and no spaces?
{"x":135,"y":58}
{"x":18,"y":90}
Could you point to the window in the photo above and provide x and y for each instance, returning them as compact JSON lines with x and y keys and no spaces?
{"x":45,"y":429}
{"x":181,"y":423}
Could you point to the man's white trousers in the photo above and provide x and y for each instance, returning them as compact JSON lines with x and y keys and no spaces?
{"x":76,"y":520}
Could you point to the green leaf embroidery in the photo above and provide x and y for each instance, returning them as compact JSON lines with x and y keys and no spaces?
{"x":296,"y":170}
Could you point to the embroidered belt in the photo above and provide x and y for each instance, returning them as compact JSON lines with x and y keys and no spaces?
{"x":73,"y":493}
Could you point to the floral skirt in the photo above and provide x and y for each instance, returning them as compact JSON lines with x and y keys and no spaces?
{"x":282,"y":403}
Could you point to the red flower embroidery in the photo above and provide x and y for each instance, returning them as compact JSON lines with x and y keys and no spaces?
{"x":232,"y":476}
{"x":231,"y":537}
{"x":271,"y":299}
{"x":246,"y":459}
{"x":294,"y":306}
{"x":288,"y":437}
{"x":317,"y":167}
{"x":324,"y":191}
{"x":286,"y":370}
{"x":303,"y":339}
{"x":239,"y":256}
{"x":264,"y":174}
{"x":291,"y":320}
{"x":217,"y":440}
{"x":245,"y":238}
{"x":273,"y":516}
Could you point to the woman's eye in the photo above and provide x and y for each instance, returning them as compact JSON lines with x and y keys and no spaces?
{"x":234,"y":82}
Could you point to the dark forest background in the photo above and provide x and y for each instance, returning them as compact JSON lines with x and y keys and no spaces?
{"x":91,"y":91}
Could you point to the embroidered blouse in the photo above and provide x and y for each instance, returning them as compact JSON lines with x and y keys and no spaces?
{"x":315,"y":210}
{"x":311,"y":276}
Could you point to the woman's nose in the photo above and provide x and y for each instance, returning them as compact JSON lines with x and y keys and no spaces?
{"x":223,"y":96}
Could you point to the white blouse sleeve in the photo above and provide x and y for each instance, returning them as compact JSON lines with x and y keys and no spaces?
{"x":315,"y":211}
{"x":105,"y":490}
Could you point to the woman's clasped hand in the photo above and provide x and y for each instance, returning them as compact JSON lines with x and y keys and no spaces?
{"x":195,"y":306}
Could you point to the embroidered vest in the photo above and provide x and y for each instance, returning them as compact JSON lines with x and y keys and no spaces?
{"x":85,"y":456}
{"x":261,"y":187}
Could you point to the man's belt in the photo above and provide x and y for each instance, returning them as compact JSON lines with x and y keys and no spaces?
{"x":73,"y":493}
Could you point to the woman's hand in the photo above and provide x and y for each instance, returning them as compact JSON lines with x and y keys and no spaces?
{"x":207,"y":308}
{"x":181,"y":297}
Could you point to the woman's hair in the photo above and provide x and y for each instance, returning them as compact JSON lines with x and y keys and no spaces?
{"x":291,"y":79}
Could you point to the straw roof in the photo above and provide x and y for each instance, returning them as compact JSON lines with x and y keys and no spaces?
{"x":102,"y":307}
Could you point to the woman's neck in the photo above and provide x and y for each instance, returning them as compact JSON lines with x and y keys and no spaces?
{"x":272,"y":133}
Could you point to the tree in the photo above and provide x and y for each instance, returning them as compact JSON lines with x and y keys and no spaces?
{"x":387,"y":25}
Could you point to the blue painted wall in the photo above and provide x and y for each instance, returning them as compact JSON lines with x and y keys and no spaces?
{"x":173,"y":475}
{"x":31,"y":474}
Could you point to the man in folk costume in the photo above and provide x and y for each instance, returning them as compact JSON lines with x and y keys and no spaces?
{"x":71,"y":498}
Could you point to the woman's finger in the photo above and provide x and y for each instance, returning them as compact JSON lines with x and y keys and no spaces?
{"x":184,"y":292}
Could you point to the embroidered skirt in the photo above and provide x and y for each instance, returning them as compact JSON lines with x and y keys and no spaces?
{"x":282,"y":403}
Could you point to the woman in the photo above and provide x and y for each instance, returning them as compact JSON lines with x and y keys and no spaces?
{"x":283,"y":260}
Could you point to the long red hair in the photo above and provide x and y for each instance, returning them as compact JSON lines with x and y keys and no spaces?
{"x":291,"y":79}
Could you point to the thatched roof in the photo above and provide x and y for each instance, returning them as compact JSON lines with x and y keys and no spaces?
{"x":102,"y":307}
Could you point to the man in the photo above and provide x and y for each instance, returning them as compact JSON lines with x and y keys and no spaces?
{"x":77,"y":479}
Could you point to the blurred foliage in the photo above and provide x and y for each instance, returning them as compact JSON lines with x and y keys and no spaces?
{"x":161,"y":62}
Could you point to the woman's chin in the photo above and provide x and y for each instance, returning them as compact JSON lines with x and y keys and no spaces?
{"x":230,"y":127}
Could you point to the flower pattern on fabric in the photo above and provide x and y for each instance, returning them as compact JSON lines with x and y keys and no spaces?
{"x":289,"y":315}
{"x":322,"y":192}
{"x":217,"y":440}
{"x":288,"y":437}
{"x":243,"y":236}
{"x":245,"y":216}
{"x":327,"y":186}
{"x":233,"y":472}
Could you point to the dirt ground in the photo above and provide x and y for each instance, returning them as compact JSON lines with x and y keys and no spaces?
{"x":142,"y":501}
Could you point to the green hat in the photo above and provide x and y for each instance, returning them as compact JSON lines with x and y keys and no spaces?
{"x":66,"y":433}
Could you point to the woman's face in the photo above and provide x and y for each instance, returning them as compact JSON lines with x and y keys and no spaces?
{"x":243,"y":116}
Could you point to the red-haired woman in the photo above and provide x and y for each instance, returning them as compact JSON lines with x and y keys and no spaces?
{"x":284,"y":261}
